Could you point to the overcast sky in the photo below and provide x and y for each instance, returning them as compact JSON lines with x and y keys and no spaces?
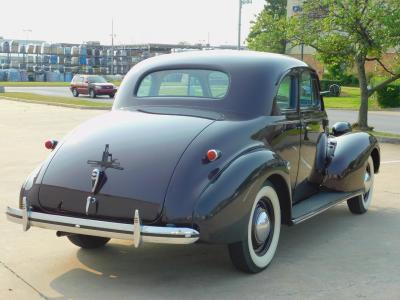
{"x":156,"y":21}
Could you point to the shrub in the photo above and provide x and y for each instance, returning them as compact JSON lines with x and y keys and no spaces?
{"x":389,"y":96}
{"x":349,"y":80}
{"x":342,"y":78}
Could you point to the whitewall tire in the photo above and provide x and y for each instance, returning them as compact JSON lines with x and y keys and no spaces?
{"x":256,"y":252}
{"x":360,"y":204}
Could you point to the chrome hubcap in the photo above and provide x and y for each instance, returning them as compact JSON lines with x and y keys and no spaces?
{"x":262,"y":226}
{"x":367,"y":180}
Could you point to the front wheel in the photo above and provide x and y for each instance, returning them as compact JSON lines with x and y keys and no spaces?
{"x":92,"y":94}
{"x":88,"y":241}
{"x":360,"y":204}
{"x":258,"y":249}
{"x":111,"y":96}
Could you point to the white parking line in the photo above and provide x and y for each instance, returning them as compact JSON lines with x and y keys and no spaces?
{"x":391,"y":162}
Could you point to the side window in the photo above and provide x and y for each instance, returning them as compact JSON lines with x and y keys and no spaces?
{"x":219,"y":83}
{"x":284,"y":95}
{"x":308,"y":91}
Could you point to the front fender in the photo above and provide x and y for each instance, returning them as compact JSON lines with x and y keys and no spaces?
{"x":222,"y":211}
{"x":345,"y":171}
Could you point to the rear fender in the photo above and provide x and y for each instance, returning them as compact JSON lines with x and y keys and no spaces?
{"x":222,"y":210}
{"x":345,"y":171}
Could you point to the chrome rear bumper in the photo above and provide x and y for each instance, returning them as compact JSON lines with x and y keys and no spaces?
{"x":136,"y":232}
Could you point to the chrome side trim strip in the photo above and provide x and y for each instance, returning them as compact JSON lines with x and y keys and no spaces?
{"x":137,"y":233}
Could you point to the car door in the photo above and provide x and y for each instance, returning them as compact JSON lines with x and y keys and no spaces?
{"x":81,"y":85}
{"x":85,"y":85}
{"x":313,"y":124}
{"x":285,"y":139}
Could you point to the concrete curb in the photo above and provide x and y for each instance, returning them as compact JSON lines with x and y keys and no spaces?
{"x":55,"y":104}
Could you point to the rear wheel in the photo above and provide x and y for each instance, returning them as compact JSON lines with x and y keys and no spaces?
{"x":258,"y":249}
{"x":87,"y":241}
{"x":111,"y":96}
{"x":75,"y":93}
{"x":360,"y":204}
{"x":92,"y":93}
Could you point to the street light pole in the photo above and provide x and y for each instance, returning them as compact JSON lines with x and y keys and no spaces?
{"x":240,"y":23}
{"x":241,"y":2}
{"x":112,"y":46}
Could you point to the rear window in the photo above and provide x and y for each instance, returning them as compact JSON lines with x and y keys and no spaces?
{"x":184,"y":83}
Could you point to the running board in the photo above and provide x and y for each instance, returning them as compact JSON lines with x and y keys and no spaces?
{"x":317,"y":204}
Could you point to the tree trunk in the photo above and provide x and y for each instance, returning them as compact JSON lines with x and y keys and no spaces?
{"x":363,"y":112}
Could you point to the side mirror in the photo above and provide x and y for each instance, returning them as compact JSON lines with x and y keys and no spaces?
{"x":341,"y":128}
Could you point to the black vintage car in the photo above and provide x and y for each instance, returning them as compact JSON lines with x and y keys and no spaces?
{"x":214,"y":147}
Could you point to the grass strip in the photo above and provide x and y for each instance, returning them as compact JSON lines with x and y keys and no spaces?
{"x":349,"y":99}
{"x":54,"y":100}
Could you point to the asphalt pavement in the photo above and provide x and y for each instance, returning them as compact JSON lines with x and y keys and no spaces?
{"x":335,"y":255}
{"x":386,"y":121}
{"x":48,"y":91}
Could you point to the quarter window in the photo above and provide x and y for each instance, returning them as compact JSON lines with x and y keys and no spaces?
{"x":284,"y":95}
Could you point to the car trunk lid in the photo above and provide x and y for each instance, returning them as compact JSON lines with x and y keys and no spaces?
{"x":142,"y":152}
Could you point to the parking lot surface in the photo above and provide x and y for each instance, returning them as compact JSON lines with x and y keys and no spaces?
{"x":334,"y":255}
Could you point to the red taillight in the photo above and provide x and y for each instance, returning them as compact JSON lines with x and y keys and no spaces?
{"x":50,"y":144}
{"x":213,"y":154}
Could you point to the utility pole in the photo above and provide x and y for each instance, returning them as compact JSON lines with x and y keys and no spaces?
{"x":241,"y":2}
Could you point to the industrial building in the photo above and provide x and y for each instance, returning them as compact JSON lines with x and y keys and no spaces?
{"x":28,"y":60}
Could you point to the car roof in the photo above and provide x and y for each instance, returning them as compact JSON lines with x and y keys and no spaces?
{"x":227,"y":59}
{"x":253,"y":78}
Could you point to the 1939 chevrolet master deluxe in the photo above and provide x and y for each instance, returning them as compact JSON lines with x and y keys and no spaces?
{"x":213,"y":146}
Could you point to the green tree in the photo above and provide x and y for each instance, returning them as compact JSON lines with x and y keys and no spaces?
{"x":268,"y":32}
{"x":351,"y":32}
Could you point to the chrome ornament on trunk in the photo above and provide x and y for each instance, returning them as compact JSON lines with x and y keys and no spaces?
{"x":99,"y":177}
